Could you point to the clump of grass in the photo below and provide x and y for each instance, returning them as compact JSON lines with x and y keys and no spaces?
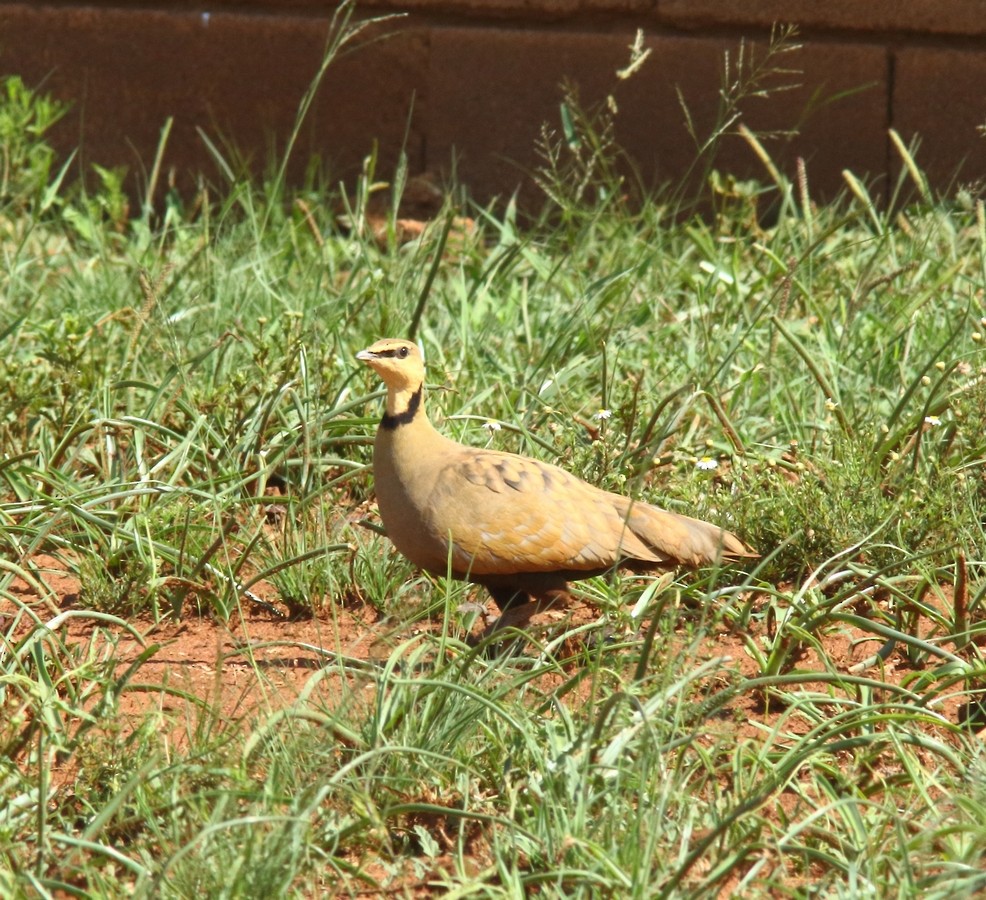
{"x":26,"y":159}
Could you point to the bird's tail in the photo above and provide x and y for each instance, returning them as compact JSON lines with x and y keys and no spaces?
{"x":682,"y":540}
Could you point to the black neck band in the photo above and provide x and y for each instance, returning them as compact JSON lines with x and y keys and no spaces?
{"x":403,"y":418}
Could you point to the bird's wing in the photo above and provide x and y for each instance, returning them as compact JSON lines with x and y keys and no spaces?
{"x":507,"y":514}
{"x":680,"y":539}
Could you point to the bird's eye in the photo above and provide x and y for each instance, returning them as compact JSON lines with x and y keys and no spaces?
{"x":402,"y":353}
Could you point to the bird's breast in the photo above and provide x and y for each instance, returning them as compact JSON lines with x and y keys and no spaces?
{"x":405,"y":485}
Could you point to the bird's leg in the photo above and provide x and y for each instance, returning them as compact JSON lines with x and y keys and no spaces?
{"x":508,"y":598}
{"x":516,"y":609}
{"x":517,"y":606}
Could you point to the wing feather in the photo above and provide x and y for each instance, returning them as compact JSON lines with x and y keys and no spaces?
{"x":507,"y":514}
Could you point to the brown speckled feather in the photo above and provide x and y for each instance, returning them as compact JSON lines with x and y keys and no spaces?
{"x":513,"y":514}
{"x":519,"y":526}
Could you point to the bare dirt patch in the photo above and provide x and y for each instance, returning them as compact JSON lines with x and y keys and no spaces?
{"x":256,"y":663}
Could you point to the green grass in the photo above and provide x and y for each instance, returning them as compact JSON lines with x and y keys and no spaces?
{"x":167,"y":376}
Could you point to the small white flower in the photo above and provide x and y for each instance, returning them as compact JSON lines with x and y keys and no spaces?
{"x":706,"y":464}
{"x":603,"y":415}
{"x":830,"y":404}
{"x":932,"y":420}
{"x":492,"y":426}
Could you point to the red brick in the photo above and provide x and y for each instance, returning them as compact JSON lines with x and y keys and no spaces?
{"x":833,"y":113}
{"x":126,"y":71}
{"x":964,"y":17}
{"x":529,"y":10}
{"x":490,"y":91}
{"x":939,"y":98}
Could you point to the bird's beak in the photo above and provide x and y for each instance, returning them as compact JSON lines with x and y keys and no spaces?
{"x":366,"y":355}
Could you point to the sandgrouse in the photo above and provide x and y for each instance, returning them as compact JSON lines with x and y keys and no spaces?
{"x":519,"y":527}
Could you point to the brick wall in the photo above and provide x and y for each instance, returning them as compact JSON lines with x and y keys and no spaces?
{"x":474,"y":79}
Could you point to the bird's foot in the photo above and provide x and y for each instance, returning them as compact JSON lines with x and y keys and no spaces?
{"x":501,"y":635}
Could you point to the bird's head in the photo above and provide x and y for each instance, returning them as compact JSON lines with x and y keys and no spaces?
{"x":397,"y":362}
